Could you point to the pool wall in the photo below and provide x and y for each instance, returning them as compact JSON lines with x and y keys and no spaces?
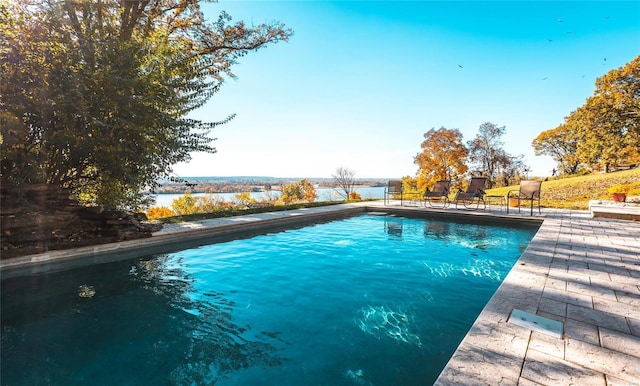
{"x":174,"y":237}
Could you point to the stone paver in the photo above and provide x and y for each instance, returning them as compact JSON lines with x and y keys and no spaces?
{"x":578,"y":270}
{"x":588,"y":279}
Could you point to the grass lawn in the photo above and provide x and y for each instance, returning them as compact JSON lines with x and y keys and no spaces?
{"x":576,"y":192}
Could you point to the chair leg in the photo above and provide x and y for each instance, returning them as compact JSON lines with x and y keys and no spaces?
{"x":469,"y":205}
{"x":445,"y":202}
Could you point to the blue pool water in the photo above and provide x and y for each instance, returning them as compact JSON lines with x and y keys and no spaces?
{"x":369,"y":300}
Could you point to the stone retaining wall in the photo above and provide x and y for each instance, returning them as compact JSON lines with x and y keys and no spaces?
{"x":39,"y":218}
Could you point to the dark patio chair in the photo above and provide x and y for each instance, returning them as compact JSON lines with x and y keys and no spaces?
{"x":438,"y":197}
{"x":529,"y":190}
{"x":473,"y":194}
{"x":393,"y":190}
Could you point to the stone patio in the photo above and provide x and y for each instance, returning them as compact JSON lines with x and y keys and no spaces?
{"x":578,"y":270}
{"x":581,"y":271}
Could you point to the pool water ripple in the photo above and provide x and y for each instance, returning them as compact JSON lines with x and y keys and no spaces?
{"x":370,"y":300}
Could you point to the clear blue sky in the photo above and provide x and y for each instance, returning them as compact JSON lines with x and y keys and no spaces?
{"x":360,"y":82}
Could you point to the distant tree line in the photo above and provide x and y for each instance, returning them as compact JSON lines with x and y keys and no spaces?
{"x":259,"y":184}
{"x":206,"y":187}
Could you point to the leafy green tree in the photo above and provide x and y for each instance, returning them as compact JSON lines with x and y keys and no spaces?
{"x":95,"y":95}
{"x":443,"y":157}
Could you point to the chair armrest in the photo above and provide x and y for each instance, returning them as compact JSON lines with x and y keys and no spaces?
{"x":513,"y":195}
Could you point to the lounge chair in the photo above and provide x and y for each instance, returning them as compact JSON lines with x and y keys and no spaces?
{"x":529,"y":190}
{"x":393,"y":190}
{"x":473,"y":194}
{"x":438,"y":197}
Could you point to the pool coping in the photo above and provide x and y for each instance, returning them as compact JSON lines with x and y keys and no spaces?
{"x":583,"y":272}
{"x":172,"y":237}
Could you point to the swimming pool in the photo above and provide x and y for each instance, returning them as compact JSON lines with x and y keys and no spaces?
{"x":368,"y":300}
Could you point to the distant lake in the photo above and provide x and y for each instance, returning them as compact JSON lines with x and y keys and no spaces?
{"x":325,"y":194}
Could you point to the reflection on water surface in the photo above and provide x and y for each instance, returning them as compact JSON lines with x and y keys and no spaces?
{"x":370,"y":300}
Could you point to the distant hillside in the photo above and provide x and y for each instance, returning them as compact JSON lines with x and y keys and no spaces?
{"x":240,"y":184}
{"x":259,"y":179}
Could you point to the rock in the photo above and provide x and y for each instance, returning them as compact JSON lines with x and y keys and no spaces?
{"x":39,"y":218}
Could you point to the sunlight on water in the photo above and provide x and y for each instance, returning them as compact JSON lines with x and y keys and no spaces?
{"x":441,"y":269}
{"x":357,"y":377}
{"x":477,"y":268}
{"x":383,"y":322}
{"x":481,"y":268}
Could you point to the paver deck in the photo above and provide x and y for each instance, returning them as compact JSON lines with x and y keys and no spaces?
{"x":578,"y":270}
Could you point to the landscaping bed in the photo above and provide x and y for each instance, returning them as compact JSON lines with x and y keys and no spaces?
{"x":629,"y":210}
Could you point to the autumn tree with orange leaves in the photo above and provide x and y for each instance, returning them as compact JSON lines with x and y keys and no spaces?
{"x":609,"y":121}
{"x":560,"y":144}
{"x":443,"y":157}
{"x":603,"y":132}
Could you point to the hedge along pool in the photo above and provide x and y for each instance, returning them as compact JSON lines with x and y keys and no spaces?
{"x":368,"y":300}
